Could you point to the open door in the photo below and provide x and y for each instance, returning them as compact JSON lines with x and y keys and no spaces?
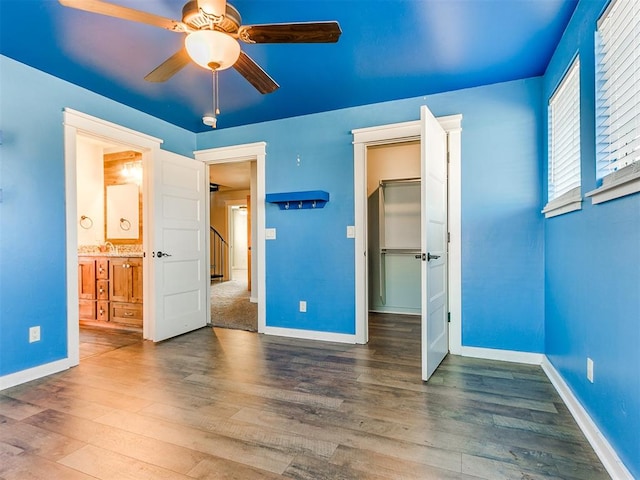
{"x":435,"y":338}
{"x":249,"y":242}
{"x":179,"y":270}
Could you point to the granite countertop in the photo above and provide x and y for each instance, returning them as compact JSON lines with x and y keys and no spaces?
{"x":116,"y":251}
{"x":110,"y":254}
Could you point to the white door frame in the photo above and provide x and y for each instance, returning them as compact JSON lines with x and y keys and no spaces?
{"x":77,"y":123}
{"x":242,"y":153}
{"x":364,"y":138}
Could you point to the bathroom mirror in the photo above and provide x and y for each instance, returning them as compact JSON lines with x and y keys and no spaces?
{"x":123,"y":216}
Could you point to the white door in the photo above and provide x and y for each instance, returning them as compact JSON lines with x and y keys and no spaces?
{"x":179,"y":271}
{"x":435,"y":340}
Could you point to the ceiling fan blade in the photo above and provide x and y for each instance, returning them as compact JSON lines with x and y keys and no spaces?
{"x":125,"y":13}
{"x":312,"y":32}
{"x":169,"y":67}
{"x":254,"y":74}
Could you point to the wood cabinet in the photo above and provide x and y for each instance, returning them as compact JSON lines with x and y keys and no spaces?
{"x":125,"y":294}
{"x":87,"y":288}
{"x":110,"y":290}
{"x":86,"y":278}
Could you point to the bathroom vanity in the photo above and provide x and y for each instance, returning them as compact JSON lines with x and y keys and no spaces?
{"x":110,"y":290}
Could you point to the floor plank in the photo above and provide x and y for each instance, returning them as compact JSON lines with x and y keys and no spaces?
{"x":226,"y":404}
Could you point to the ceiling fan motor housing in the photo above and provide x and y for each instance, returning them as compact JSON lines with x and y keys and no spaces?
{"x":193,"y":17}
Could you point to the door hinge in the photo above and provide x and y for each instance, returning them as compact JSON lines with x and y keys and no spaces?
{"x":448,"y":237}
{"x":448,"y":157}
{"x":448,"y":317}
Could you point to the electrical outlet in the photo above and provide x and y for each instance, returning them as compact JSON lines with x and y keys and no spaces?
{"x":34,"y":334}
{"x":303,"y":306}
{"x":589,"y":369}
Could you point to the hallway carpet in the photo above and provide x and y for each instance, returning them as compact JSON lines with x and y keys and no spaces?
{"x":231,"y":308}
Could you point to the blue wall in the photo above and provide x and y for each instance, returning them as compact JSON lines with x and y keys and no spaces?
{"x":32,"y":212}
{"x":574,"y":298}
{"x":592,"y":264}
{"x":502,"y":262}
{"x":312,"y":259}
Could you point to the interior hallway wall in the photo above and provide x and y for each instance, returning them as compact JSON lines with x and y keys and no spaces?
{"x":502,"y":269}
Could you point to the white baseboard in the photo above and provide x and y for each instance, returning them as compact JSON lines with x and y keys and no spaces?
{"x":500,"y":355}
{"x":34,"y":373}
{"x":253,"y":299}
{"x":310,"y":335}
{"x":602,"y":447}
{"x":599,"y":443}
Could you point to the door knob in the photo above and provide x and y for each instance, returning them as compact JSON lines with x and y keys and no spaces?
{"x":162,"y":254}
{"x":432,"y":257}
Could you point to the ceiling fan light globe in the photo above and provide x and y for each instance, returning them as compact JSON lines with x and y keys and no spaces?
{"x":211,"y":47}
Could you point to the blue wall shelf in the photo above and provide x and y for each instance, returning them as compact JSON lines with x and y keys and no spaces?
{"x":299,"y":200}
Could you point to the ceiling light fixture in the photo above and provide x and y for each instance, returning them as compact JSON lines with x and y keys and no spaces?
{"x":212,"y":49}
{"x":210,"y":121}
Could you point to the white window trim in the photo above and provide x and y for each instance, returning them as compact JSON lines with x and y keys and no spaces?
{"x":620,"y":183}
{"x":571,"y":200}
{"x":567,"y":202}
{"x":626,"y":180}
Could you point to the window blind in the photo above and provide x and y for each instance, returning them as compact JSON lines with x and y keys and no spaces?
{"x":617,"y":88}
{"x":564,"y":135}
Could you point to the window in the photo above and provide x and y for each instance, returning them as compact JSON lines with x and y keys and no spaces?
{"x":618,"y":101}
{"x":564,"y":145}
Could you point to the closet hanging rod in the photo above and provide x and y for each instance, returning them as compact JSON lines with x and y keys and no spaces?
{"x":400,"y":251}
{"x":399,"y":180}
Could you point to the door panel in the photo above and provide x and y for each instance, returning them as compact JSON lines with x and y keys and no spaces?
{"x":86,"y":279}
{"x":435,"y":339}
{"x":179,"y":266}
{"x":120,"y":280}
{"x":135,"y":265}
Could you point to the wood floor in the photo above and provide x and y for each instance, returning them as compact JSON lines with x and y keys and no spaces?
{"x":226,"y":404}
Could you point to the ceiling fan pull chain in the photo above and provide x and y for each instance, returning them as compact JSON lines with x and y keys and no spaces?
{"x":216,"y":89}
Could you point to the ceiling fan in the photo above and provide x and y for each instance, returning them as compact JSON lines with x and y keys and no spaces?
{"x":213,"y":28}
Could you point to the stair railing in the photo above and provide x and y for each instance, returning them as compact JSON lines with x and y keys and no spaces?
{"x":219,"y":253}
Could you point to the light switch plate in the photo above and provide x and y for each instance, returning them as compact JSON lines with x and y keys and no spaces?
{"x":351,"y":231}
{"x":270,"y":233}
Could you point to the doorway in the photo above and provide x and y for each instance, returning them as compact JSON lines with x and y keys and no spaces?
{"x":239,"y":243}
{"x":109,"y":205}
{"x":224,"y":161}
{"x":231,"y":188}
{"x":393,"y":228}
{"x":229,"y":203}
{"x":366,"y":138}
{"x":82,"y":134}
{"x":173,"y":289}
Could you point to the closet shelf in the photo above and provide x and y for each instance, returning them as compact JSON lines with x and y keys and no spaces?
{"x":299,"y":200}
